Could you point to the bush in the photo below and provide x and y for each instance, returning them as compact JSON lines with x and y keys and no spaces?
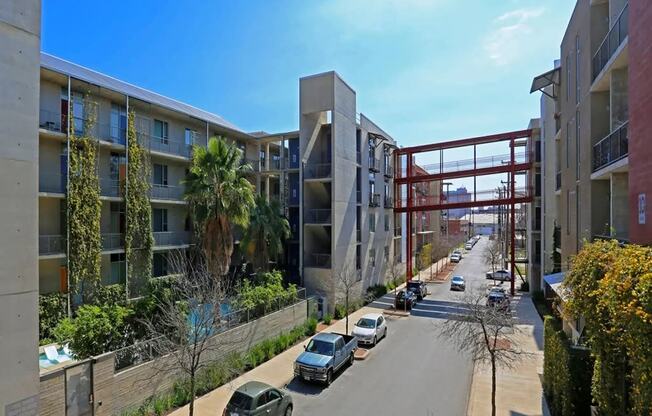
{"x":376,"y":291}
{"x":96,"y":330}
{"x":340,"y":311}
{"x":111,"y":295}
{"x":310,"y":327}
{"x":265,"y":292}
{"x":525,"y":286}
{"x":52,"y":309}
{"x":328,"y":319}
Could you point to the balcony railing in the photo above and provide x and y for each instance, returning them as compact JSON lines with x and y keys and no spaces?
{"x":611,"y":149}
{"x":51,"y":121}
{"x":398,"y":231}
{"x":51,"y":244}
{"x":388,"y":201}
{"x":321,"y":260}
{"x":171,"y":238}
{"x":558,"y":181}
{"x":253,"y":163}
{"x":318,"y":216}
{"x":110,"y":187}
{"x":274,"y":164}
{"x":112,"y":241}
{"x":172,"y":193}
{"x":389,"y":171}
{"x":317,"y":171}
{"x":374,"y":200}
{"x":164,"y":145}
{"x":51,"y":182}
{"x":611,"y":42}
{"x":374,"y":164}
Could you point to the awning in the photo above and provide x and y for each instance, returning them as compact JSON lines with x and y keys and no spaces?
{"x":544,"y":80}
{"x":554,"y":281}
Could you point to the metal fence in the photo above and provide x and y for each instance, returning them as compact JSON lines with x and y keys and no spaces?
{"x":611,"y":149}
{"x":144,"y":351}
{"x":171,"y":238}
{"x":611,"y":42}
{"x":318,"y":216}
{"x":173,"y":193}
{"x":317,"y":171}
{"x":51,"y":244}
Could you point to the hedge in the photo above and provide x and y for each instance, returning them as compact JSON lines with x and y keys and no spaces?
{"x":567,"y":373}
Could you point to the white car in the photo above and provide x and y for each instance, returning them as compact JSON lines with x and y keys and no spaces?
{"x":456,"y":257}
{"x":370,"y":328}
{"x":502,"y":275}
{"x":468,"y":246}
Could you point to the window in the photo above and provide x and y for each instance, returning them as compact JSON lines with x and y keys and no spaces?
{"x":160,"y":217}
{"x":357,"y":257}
{"x":159,"y":265}
{"x":577,"y":69}
{"x":161,"y":131}
{"x":190,"y":137}
{"x":273,"y":395}
{"x":372,"y":186}
{"x":372,"y":257}
{"x":116,"y":218}
{"x":568,"y":212}
{"x":386,"y":253}
{"x":568,"y":77}
{"x":386,"y":222}
{"x":78,"y":112}
{"x":568,"y":129}
{"x":116,"y":161}
{"x":118,"y":269}
{"x":372,"y":222}
{"x":578,"y":227}
{"x":160,"y":175}
{"x":577,"y":145}
{"x":118,"y":123}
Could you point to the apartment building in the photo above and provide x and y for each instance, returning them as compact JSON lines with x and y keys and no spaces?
{"x":533,"y":210}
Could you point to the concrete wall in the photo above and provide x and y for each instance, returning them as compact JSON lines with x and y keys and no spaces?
{"x":640,"y":128}
{"x":20,"y":24}
{"x":116,"y":393}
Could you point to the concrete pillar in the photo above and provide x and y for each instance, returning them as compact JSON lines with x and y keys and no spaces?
{"x":20,"y":23}
{"x":620,"y":204}
{"x":619,"y":106}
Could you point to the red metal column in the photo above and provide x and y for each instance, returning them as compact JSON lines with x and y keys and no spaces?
{"x":408,"y":272}
{"x":513,"y":214}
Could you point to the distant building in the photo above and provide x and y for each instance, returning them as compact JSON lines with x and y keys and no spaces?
{"x":483,"y":224}
{"x":458,"y":195}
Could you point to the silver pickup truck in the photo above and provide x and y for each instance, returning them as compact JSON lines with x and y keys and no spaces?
{"x":324,"y":355}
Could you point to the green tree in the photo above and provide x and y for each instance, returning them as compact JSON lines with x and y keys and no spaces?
{"x":219,"y":195}
{"x":263,"y":239}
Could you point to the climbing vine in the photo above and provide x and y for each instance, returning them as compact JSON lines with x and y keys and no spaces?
{"x":83,"y":208}
{"x":138,"y":234}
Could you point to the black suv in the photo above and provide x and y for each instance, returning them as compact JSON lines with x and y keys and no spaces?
{"x":419,"y":288}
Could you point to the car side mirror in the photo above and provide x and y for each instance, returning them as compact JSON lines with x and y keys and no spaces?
{"x":305,"y":348}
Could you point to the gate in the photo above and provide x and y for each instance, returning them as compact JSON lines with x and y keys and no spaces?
{"x":79,"y":389}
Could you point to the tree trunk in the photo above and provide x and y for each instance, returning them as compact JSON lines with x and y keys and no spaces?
{"x":192,"y":395}
{"x":493,"y":386}
{"x":347,"y":313}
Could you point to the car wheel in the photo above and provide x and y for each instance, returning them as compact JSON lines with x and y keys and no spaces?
{"x":351,"y":359}
{"x":385,"y":333}
{"x":329,"y":377}
{"x":375,"y":341}
{"x":288,"y":411}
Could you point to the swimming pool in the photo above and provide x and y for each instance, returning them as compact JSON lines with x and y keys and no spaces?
{"x":62,"y":357}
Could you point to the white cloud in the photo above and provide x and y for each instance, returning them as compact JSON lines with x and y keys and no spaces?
{"x":510,"y":37}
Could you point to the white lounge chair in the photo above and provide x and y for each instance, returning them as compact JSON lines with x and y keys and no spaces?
{"x":66,"y":350}
{"x":51,"y":353}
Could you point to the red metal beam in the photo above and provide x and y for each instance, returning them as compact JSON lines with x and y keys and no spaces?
{"x":513,"y":219}
{"x":464,"y":173}
{"x":465,"y":142}
{"x":468,"y":204}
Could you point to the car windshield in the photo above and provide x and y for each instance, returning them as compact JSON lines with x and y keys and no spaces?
{"x":458,"y":279}
{"x":415,"y":285}
{"x":241,"y":400}
{"x":400,"y":295}
{"x":320,"y":347}
{"x":366,"y":323}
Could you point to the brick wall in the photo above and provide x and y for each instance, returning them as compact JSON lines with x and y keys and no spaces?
{"x":117,"y":392}
{"x":640,"y":124}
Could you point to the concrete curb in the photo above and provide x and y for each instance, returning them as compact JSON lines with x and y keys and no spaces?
{"x":361,"y":354}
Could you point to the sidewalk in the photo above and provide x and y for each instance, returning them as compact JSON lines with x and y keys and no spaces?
{"x":276,"y":372}
{"x":440,"y":271}
{"x":518,"y":390}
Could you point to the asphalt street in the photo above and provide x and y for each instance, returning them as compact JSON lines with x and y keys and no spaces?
{"x":411,"y":372}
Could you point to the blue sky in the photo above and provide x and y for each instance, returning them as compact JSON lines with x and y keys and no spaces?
{"x":424,"y":70}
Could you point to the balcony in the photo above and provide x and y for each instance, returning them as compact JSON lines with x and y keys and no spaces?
{"x":358,"y":157}
{"x":171,"y":238}
{"x":51,"y":183}
{"x":110,"y":187}
{"x":164,"y":145}
{"x":611,"y":149}
{"x":165,"y":192}
{"x":319,"y":260}
{"x":112,"y":241}
{"x":358,"y":197}
{"x":274,"y":163}
{"x":558,"y":181}
{"x":253,"y":163}
{"x":317,"y":171}
{"x":611,"y":42}
{"x":374,"y":200}
{"x":388,"y":201}
{"x":51,"y":244}
{"x":374,"y":164}
{"x":388,"y":171}
{"x":318,"y":216}
{"x":52,"y":121}
{"x":398,"y":231}
{"x":358,"y":236}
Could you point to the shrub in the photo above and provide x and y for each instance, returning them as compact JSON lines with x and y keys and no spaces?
{"x":376,"y":291}
{"x":340,"y":311}
{"x":111,"y":295}
{"x":310,"y":327}
{"x":265,"y":292}
{"x":328,"y":319}
{"x":52,"y":309}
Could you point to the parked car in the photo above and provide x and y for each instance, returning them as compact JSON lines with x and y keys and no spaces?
{"x":405,"y":299}
{"x":457,"y":283}
{"x":458,"y":252}
{"x":456,"y":257}
{"x":324,"y":355}
{"x":257,"y":398}
{"x":370,"y":328}
{"x":502,"y":275}
{"x":494,"y":288}
{"x":419,"y":287}
{"x":498,"y":300}
{"x":468,"y":246}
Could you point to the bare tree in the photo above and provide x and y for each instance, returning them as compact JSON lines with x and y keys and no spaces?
{"x":440,"y":249}
{"x":493,"y":255}
{"x":346,"y":281}
{"x":184,"y":329}
{"x":488,"y":333}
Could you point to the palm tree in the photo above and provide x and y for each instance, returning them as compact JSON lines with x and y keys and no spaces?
{"x":219,"y":196}
{"x":263,"y":239}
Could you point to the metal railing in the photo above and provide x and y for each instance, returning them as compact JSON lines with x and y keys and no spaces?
{"x":174,"y":193}
{"x":388,"y":201}
{"x":389,"y":171}
{"x":318,"y":216}
{"x":374,"y":200}
{"x":614,"y":38}
{"x":164,"y":145}
{"x":398,"y":231}
{"x":374,"y":164}
{"x":558,"y":181}
{"x":253,"y":163}
{"x":51,"y":182}
{"x":110,"y":187}
{"x":171,"y":238}
{"x":112,"y":241}
{"x":317,"y":171}
{"x":51,"y":121}
{"x":319,"y":260}
{"x":274,"y":164}
{"x":612,"y":148}
{"x":144,"y":351}
{"x":51,"y":244}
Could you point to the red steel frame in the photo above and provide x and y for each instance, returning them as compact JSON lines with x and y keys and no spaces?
{"x":511,"y":169}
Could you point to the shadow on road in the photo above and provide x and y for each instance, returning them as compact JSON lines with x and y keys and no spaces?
{"x":309,"y":388}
